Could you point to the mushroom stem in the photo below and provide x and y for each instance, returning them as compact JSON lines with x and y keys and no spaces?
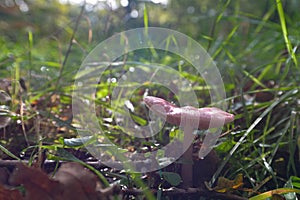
{"x":187,"y":157}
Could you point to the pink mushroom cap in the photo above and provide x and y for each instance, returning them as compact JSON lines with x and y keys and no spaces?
{"x":200,"y":118}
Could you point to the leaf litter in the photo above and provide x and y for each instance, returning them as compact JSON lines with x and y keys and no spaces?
{"x":71,"y":181}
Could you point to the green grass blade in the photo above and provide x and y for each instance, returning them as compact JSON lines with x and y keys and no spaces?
{"x":253,"y":125}
{"x":7,"y":152}
{"x":146,"y":19}
{"x":285,"y":32}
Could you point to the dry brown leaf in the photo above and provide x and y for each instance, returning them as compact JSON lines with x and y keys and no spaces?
{"x":71,"y":181}
{"x":78,"y":182}
{"x":9,"y":194}
{"x":36,"y":183}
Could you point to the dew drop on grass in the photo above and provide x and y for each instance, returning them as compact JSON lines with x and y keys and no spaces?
{"x":22,"y":154}
{"x":131,"y":69}
{"x":44,"y":69}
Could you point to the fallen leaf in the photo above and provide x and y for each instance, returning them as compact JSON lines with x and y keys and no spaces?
{"x":71,"y":181}
{"x":36,"y":183}
{"x":74,"y":177}
{"x":225,"y":185}
{"x":9,"y":193}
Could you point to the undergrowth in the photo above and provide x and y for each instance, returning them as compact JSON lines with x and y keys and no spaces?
{"x":258,"y":59}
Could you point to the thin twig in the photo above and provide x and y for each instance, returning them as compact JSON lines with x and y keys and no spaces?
{"x":70,"y":46}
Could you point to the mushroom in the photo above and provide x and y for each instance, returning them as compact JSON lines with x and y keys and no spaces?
{"x":190,"y":118}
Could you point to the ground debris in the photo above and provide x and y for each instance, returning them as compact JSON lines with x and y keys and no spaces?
{"x":71,"y":181}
